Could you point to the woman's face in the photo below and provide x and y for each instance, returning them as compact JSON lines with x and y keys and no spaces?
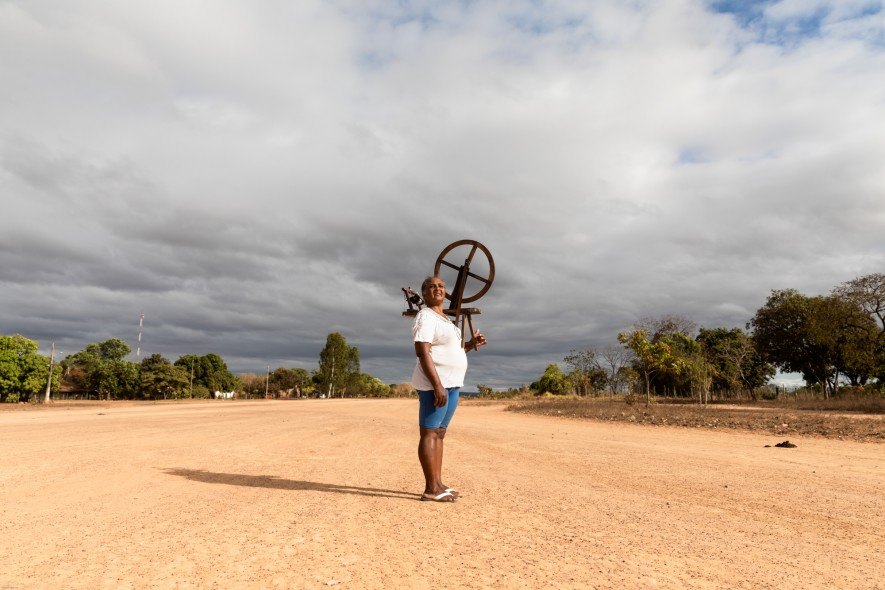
{"x":434,"y":292}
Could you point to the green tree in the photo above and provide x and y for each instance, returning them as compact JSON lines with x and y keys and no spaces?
{"x":650,"y":357}
{"x":819,"y":337}
{"x":868,"y":293}
{"x":160,"y":379}
{"x":302,"y":379}
{"x":200,"y":391}
{"x":737,"y":365}
{"x":282,"y":379}
{"x":104,"y":369}
{"x":23,"y":371}
{"x":372,"y":386}
{"x":485,"y":390}
{"x":285,"y":380}
{"x":553,"y":380}
{"x":339,"y":366}
{"x":209,"y":370}
{"x":113,"y":349}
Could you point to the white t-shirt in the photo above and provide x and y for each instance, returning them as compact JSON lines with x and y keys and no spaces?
{"x":446,"y":351}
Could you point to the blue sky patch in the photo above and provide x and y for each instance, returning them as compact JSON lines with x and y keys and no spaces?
{"x":791,"y":31}
{"x":745,"y":11}
{"x":691,"y":155}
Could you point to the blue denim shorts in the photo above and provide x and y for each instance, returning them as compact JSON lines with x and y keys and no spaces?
{"x":429,"y":416}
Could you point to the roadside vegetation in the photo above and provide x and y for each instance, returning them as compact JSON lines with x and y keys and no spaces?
{"x":101,"y":371}
{"x":668,"y":372}
{"x":836,"y":342}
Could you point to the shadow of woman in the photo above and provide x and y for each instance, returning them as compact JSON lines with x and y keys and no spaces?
{"x":279,"y":483}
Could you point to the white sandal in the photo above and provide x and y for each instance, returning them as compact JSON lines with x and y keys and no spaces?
{"x":439,"y":497}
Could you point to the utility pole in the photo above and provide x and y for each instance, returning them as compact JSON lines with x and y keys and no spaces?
{"x":49,"y":379}
{"x":266,"y":381}
{"x":138,"y":348}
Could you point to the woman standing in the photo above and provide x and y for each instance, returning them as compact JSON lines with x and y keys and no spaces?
{"x":438,"y":377}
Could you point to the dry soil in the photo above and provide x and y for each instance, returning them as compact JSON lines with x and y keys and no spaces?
{"x":324,"y":493}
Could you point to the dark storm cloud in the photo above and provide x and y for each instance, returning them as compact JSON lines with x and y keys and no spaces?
{"x":285,"y":175}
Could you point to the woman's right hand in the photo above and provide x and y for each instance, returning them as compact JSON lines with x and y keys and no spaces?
{"x":440,"y":397}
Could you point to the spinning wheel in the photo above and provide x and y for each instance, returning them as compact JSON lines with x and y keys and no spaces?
{"x":483,"y":272}
{"x":470,"y":247}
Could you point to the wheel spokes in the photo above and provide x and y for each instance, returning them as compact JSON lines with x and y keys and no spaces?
{"x":474,"y":246}
{"x":478,"y":278}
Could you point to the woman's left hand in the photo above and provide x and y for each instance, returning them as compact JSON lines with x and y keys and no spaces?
{"x":478,"y":340}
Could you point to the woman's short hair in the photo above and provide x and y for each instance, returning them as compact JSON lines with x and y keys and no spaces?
{"x":427,"y":282}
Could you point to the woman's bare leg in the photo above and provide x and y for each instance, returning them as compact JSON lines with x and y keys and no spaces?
{"x":438,"y":456}
{"x":440,"y":445}
{"x":427,"y":451}
{"x":430,"y":456}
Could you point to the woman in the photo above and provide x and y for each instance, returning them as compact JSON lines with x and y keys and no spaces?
{"x":438,"y":377}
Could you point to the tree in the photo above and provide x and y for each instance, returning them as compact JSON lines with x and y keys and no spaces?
{"x":819,"y":337}
{"x":210,"y":371}
{"x":666,"y":326}
{"x":283,"y":379}
{"x":372,"y":386}
{"x":868,"y":293}
{"x":735,"y":361}
{"x":848,"y":336}
{"x":615,"y":358}
{"x":158,"y":378}
{"x":339,"y":365}
{"x":650,"y":357}
{"x":252,"y":384}
{"x":352,"y":375}
{"x":23,"y":371}
{"x":485,"y":390}
{"x":553,"y":380}
{"x":586,"y":375}
{"x":104,"y":369}
{"x":113,"y":349}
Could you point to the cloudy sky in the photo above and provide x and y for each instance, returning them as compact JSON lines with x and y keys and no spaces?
{"x":254,"y":175}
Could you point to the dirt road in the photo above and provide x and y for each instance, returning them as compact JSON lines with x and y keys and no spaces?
{"x":323,"y":493}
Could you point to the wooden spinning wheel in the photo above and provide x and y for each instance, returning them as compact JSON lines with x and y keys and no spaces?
{"x":448,"y":259}
{"x":470,"y":247}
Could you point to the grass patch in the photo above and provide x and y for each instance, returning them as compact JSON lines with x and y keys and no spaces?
{"x":775,"y":421}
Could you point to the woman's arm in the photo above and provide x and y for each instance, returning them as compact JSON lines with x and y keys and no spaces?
{"x":422,"y":351}
{"x":474,"y":343}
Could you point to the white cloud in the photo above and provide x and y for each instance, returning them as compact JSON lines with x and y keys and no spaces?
{"x":253,"y":176}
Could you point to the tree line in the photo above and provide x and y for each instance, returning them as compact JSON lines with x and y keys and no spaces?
{"x":101,"y":370}
{"x":832,"y":340}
